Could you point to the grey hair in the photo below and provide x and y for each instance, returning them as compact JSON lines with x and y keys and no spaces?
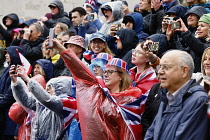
{"x":186,"y":59}
{"x":38,"y":27}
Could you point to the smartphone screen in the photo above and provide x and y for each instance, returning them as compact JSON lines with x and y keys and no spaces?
{"x":51,"y":36}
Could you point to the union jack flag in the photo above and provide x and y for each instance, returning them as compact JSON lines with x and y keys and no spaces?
{"x":69,"y":110}
{"x":130,"y":112}
{"x":89,"y":55}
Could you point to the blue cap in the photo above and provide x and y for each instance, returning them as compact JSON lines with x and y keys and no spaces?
{"x":99,"y":36}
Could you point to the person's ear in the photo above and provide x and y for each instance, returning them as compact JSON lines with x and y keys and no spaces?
{"x":185,"y":71}
{"x":39,"y":34}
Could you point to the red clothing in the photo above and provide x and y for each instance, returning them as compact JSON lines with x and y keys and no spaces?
{"x":98,"y":115}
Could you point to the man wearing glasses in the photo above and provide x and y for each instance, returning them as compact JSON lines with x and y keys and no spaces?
{"x":57,"y":11}
{"x":182,"y":114}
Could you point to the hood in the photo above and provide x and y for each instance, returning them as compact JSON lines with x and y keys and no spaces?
{"x":14,"y":57}
{"x":138,"y":20}
{"x":40,"y":79}
{"x":63,"y":86}
{"x":28,"y":22}
{"x":179,"y":10}
{"x":116,"y":7}
{"x":14,"y":18}
{"x":129,"y":40}
{"x":198,"y":10}
{"x":47,"y":66}
{"x":60,"y":7}
{"x":161,"y":38}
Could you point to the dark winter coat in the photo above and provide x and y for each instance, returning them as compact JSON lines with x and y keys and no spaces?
{"x":7,"y":33}
{"x":58,"y":17}
{"x":8,"y":127}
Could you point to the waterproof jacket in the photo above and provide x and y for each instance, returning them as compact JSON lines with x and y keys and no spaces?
{"x":185,"y":119}
{"x":117,"y":14}
{"x":52,"y":111}
{"x":98,"y":115}
{"x":8,"y":127}
{"x":7,"y":33}
{"x":138,"y":25}
{"x":58,"y":17}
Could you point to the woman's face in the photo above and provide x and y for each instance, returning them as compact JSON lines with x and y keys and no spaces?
{"x":138,"y":56}
{"x":8,"y":21}
{"x":206,"y":65}
{"x":97,"y":45}
{"x":49,"y":90}
{"x":37,"y":69}
{"x":129,"y":25}
{"x":98,"y":71}
{"x":57,"y":29}
{"x":202,"y":30}
{"x":144,"y":5}
{"x":112,"y":77}
{"x":192,"y":20}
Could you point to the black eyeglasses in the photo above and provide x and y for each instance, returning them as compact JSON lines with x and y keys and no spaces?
{"x":109,"y":72}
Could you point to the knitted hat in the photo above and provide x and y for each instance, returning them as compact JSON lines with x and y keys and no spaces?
{"x":76,"y":40}
{"x":205,"y":18}
{"x":118,"y":63}
{"x":99,"y":36}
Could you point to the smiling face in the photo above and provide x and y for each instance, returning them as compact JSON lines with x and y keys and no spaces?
{"x":37,"y":69}
{"x":206,"y":62}
{"x":97,"y":45}
{"x":202,"y":30}
{"x":192,"y":20}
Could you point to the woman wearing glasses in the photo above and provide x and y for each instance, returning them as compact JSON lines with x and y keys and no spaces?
{"x":109,"y":108}
{"x":97,"y":45}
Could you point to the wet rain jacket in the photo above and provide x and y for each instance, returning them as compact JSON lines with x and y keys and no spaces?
{"x":98,"y":115}
{"x":52,"y":115}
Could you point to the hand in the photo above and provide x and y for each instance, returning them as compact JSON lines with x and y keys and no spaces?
{"x":183,"y":26}
{"x":169,"y":32}
{"x":27,"y":33}
{"x":156,"y":4}
{"x":150,"y":55}
{"x":58,"y":46}
{"x":22,"y":73}
{"x":43,"y":19}
{"x":85,"y":21}
{"x":164,"y":24}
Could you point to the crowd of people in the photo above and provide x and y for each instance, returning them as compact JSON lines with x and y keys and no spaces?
{"x":104,"y":71}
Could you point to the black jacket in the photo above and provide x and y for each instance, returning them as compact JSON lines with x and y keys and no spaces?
{"x":58,"y":17}
{"x":7,"y":34}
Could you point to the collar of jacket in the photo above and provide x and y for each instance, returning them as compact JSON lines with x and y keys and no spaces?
{"x":184,"y":93}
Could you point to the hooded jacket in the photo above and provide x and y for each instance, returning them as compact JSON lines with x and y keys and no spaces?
{"x":52,"y":111}
{"x":205,"y":5}
{"x":47,"y":67}
{"x":59,"y":17}
{"x":138,"y":23}
{"x":98,"y":115}
{"x":7,"y":34}
{"x":185,"y":119}
{"x":117,"y":14}
{"x":129,"y":41}
{"x":8,"y":126}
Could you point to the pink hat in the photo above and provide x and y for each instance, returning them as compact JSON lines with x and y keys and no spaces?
{"x":76,"y":40}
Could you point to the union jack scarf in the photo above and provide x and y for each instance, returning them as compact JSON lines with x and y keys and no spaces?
{"x":130,"y":112}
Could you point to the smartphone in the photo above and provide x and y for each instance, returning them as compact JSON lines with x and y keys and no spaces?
{"x":15,"y":67}
{"x":153,"y":47}
{"x":51,"y":36}
{"x":90,"y":17}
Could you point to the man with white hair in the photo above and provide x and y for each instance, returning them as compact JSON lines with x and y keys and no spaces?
{"x":182,"y":114}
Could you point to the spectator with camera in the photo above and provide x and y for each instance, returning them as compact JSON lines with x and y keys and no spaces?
{"x":31,"y":39}
{"x":194,"y":44}
{"x":11,"y":22}
{"x":57,"y":12}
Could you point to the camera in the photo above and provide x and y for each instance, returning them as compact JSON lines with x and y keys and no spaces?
{"x":168,"y":20}
{"x":153,"y":47}
{"x":175,"y":25}
{"x":90,"y":17}
{"x":117,"y":27}
{"x":22,"y":31}
{"x":15,"y":67}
